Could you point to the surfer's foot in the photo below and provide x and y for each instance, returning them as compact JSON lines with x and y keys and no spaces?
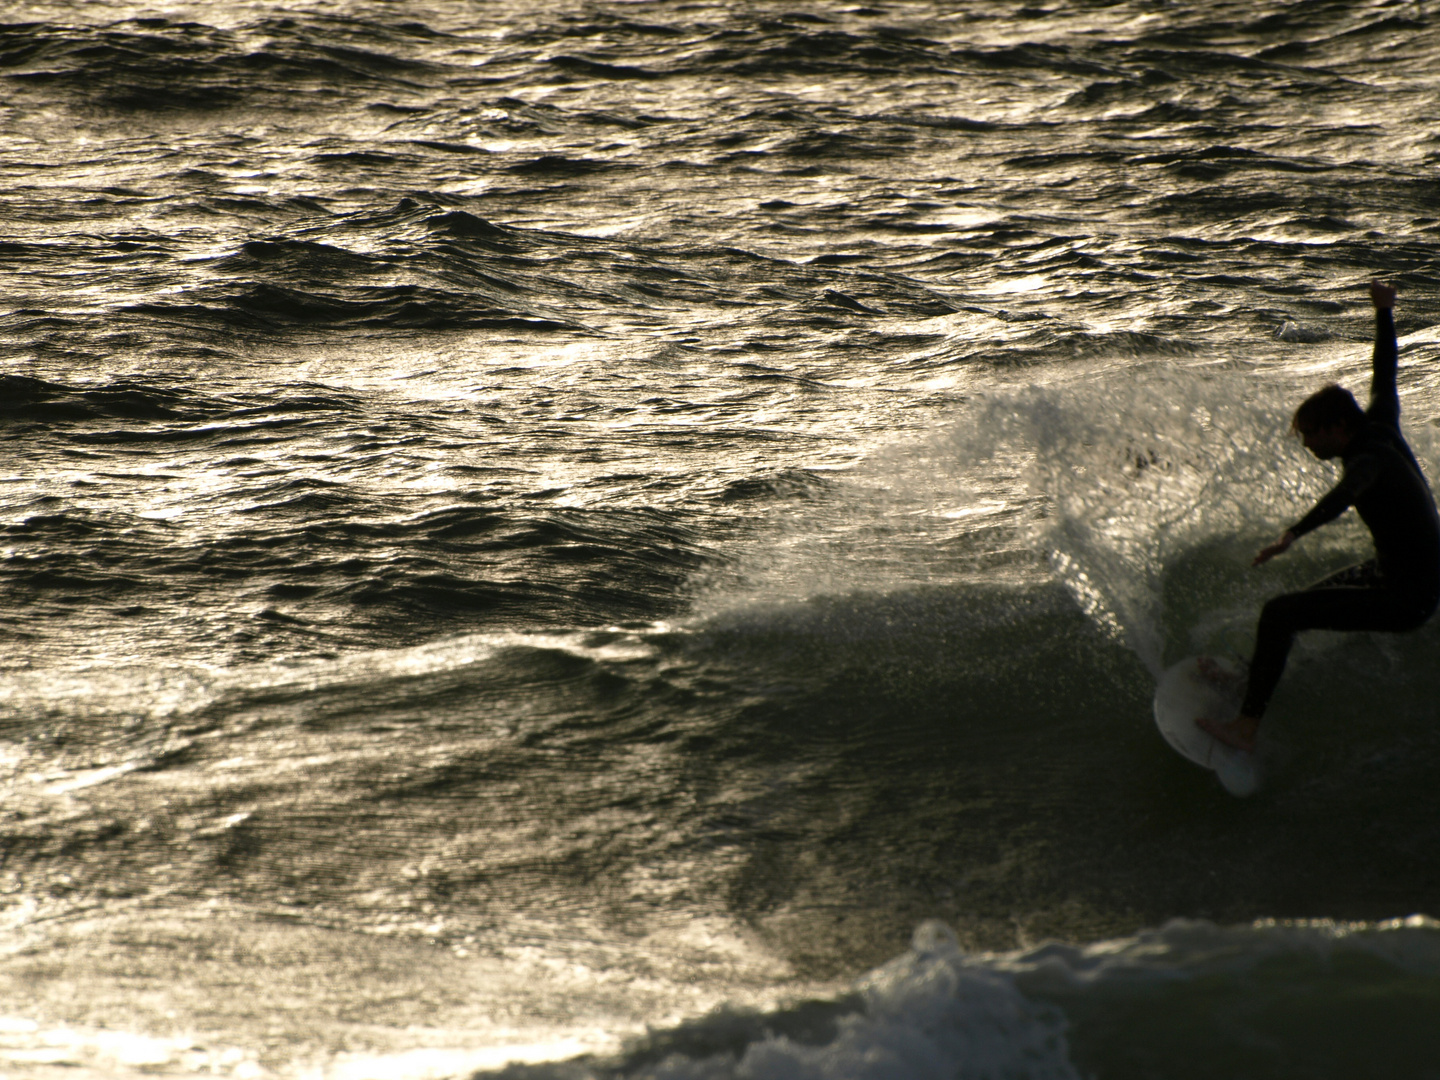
{"x":1238,"y":733}
{"x":1215,"y":674}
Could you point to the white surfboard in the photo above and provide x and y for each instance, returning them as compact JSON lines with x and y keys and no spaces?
{"x":1185,"y":695}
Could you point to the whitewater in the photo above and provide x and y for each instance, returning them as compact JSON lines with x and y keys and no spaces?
{"x":627,"y":540}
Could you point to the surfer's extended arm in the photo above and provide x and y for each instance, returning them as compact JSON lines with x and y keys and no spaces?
{"x":1384,"y":400}
{"x":1360,"y":472}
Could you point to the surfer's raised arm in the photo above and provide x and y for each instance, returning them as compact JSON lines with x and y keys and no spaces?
{"x":1384,"y":399}
{"x":1327,"y":422}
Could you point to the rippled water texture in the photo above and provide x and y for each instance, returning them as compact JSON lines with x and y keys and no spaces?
{"x":527,"y":522}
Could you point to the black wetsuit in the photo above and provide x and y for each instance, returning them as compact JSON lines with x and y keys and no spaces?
{"x":1399,"y":588}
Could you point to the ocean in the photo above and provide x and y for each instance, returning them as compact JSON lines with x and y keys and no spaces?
{"x":635,"y":540}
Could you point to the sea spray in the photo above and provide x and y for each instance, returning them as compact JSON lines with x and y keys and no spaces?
{"x":1142,"y":491}
{"x":1155,"y":484}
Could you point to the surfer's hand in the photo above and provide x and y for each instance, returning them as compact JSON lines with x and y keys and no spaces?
{"x":1269,"y":552}
{"x":1382,"y":295}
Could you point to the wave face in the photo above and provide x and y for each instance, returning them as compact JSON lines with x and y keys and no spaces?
{"x":595,"y":540}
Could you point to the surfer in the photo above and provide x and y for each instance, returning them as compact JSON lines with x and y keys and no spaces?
{"x":1395,"y":591}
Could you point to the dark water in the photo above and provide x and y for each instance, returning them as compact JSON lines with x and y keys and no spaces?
{"x":637,"y":539}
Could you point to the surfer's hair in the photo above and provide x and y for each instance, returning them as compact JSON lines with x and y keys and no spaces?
{"x":1326,"y":407}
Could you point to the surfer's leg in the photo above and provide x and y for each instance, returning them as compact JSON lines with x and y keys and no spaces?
{"x":1280,"y":619}
{"x":1319,"y":608}
{"x":1286,"y":615}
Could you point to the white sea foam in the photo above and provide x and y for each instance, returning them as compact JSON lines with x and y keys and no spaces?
{"x":1298,"y":998}
{"x":929,"y":1015}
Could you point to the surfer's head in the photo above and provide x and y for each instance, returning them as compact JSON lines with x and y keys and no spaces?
{"x":1326,"y":420}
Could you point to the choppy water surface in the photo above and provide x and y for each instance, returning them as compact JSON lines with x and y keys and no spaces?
{"x":528,"y":525}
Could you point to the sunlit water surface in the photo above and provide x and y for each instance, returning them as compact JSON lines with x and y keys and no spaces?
{"x":565,"y":534}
